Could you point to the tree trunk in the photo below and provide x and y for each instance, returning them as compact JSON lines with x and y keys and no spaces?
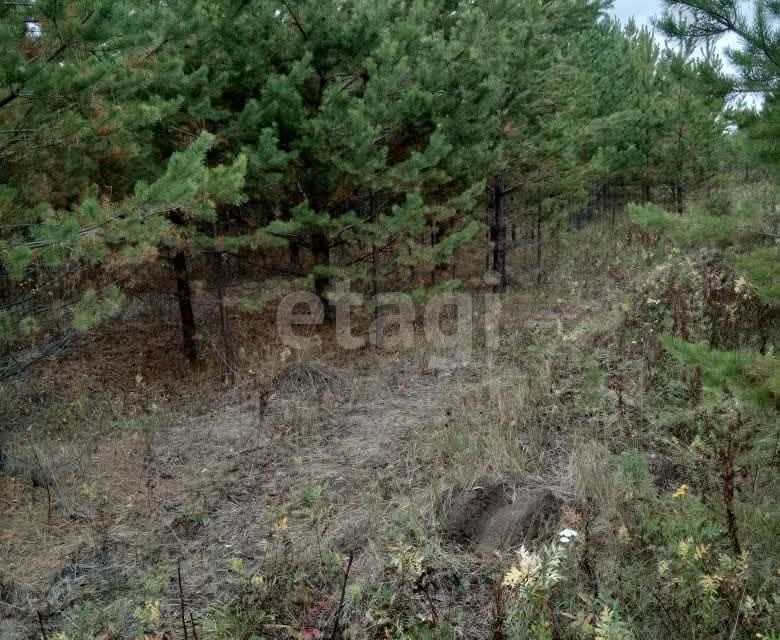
{"x":184,"y":295}
{"x":295,"y":253}
{"x":646,"y":193}
{"x":498,"y":235}
{"x":227,"y":342}
{"x":378,"y":319}
{"x":539,"y":241}
{"x":489,"y":233}
{"x":727,"y":476}
{"x":603,"y":201}
{"x":612,"y":205}
{"x":433,"y":239}
{"x":678,"y":193}
{"x":320,"y":248}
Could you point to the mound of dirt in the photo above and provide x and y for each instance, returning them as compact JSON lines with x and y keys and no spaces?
{"x":307,"y":379}
{"x":496,"y":516}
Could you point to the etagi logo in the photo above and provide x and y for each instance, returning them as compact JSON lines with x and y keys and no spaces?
{"x":394,"y":324}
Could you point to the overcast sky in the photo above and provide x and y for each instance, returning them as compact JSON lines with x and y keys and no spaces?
{"x":644,"y":10}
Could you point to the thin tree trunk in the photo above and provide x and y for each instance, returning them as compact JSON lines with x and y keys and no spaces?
{"x":489,"y":234}
{"x":378,"y":319}
{"x":295,"y":253}
{"x":320,"y":248}
{"x":728,"y":498}
{"x":499,"y":236}
{"x":728,"y":475}
{"x":184,"y":295}
{"x":612,"y":206}
{"x":539,"y":240}
{"x":227,"y":342}
{"x":412,"y":267}
{"x":678,"y":191}
{"x":433,"y":239}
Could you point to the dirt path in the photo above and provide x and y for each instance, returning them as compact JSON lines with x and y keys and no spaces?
{"x":389,"y":408}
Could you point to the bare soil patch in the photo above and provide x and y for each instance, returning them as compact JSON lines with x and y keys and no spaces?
{"x":498,"y":517}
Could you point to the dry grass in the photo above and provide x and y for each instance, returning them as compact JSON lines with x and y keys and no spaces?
{"x":301,"y":464}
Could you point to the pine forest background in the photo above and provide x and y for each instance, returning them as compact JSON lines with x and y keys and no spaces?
{"x":169,"y":170}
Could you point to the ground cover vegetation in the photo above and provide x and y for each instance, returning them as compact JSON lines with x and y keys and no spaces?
{"x":604,"y":466}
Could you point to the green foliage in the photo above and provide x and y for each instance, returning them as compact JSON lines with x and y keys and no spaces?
{"x":721,"y":231}
{"x":747,"y":375}
{"x":89,"y":619}
{"x":762,"y":267}
{"x":228,"y":623}
{"x":373,"y":129}
{"x":92,"y":309}
{"x":757,"y":61}
{"x":718,"y":411}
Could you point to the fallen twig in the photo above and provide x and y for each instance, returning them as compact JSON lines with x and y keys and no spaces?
{"x":337,"y":622}
{"x":43,"y":629}
{"x":181,"y":600}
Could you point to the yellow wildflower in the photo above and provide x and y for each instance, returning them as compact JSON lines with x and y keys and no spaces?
{"x":89,"y":491}
{"x":709,"y":585}
{"x":406,"y":559}
{"x":149,"y":614}
{"x":741,"y":285}
{"x":681,"y":492}
{"x":512,"y":578}
{"x":281,"y":524}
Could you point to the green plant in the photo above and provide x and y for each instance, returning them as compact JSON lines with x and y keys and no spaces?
{"x":528,"y":589}
{"x":195,"y":513}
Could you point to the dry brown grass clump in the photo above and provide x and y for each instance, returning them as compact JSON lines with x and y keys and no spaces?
{"x":307,"y":380}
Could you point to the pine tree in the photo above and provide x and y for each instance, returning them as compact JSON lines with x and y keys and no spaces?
{"x":740,"y":387}
{"x":145,"y":138}
{"x":688,"y":153}
{"x":158,"y":217}
{"x":757,"y":60}
{"x":82,"y":185}
{"x":539,"y":171}
{"x":344,"y":106}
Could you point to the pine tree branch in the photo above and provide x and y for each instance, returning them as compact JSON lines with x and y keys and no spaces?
{"x":16,"y":93}
{"x":40,"y":244}
{"x":763,"y":234}
{"x":10,"y":367}
{"x":297,"y":22}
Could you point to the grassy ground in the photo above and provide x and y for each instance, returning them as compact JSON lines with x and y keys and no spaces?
{"x":372,"y":495}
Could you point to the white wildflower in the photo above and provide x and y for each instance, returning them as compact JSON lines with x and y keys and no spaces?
{"x":567,"y":535}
